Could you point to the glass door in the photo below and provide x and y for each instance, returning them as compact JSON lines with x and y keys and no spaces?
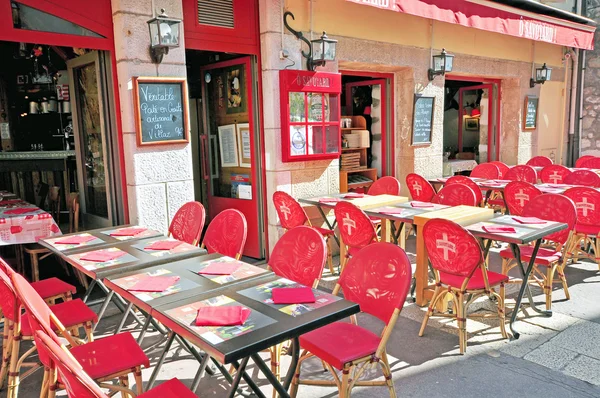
{"x":477,"y":123}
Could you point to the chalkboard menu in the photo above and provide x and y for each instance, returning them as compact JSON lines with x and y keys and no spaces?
{"x":530,"y":112}
{"x":161,"y":110}
{"x":422,"y":120}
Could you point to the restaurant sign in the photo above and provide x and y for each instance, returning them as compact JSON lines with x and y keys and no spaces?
{"x":385,"y":4}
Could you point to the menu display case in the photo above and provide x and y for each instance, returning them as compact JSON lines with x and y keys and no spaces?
{"x":310,"y":115}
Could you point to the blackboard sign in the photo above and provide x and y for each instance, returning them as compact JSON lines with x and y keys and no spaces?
{"x":161,"y":110}
{"x":422,"y":120}
{"x":530,"y":113}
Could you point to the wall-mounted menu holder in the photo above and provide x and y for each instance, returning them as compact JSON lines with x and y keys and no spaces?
{"x":422,"y":119}
{"x":530,"y":112}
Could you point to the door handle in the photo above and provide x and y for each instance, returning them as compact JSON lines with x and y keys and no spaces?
{"x":204,"y":156}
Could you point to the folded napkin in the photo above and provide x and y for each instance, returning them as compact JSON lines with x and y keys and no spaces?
{"x":329,"y":200}
{"x":529,"y":220}
{"x":423,"y":205}
{"x":9,"y":202}
{"x":395,"y":210}
{"x":102,"y":256}
{"x":499,"y":229}
{"x":75,"y":240}
{"x":22,"y":210}
{"x":443,"y":179}
{"x":558,"y":185}
{"x":154,"y":284}
{"x":233,"y":315}
{"x":292,"y":295}
{"x":128,"y":231}
{"x":219,"y":268}
{"x":354,"y":195}
{"x":163,"y":245}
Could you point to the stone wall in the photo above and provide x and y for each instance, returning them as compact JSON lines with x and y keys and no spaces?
{"x":590,"y":126}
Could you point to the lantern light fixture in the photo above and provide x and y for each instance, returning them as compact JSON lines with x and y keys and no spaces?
{"x":542,"y":74}
{"x":442,"y":63}
{"x":320,"y":51}
{"x":164,"y":34}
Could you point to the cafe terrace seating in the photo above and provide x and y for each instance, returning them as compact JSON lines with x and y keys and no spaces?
{"x":468,"y":182}
{"x":522,"y":172}
{"x":517,"y":194}
{"x":356,"y":229}
{"x":387,"y":185}
{"x":540,"y":161}
{"x":554,"y":174}
{"x":587,"y":228}
{"x":579,"y":162}
{"x":226,"y":234}
{"x":502,"y":168}
{"x":420,"y":189}
{"x":586,"y":178}
{"x":592,"y":163}
{"x":456,"y":195}
{"x":188,"y":222}
{"x":488,"y":171}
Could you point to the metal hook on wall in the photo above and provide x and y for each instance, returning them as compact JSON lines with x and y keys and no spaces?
{"x":299,"y":36}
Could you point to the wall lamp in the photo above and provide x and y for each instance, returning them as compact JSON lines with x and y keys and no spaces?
{"x":442,"y":63}
{"x":164,"y":34}
{"x":542,"y":75}
{"x":320,"y":50}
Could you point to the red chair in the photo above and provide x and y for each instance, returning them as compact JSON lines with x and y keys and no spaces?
{"x":226,"y":234}
{"x":291,"y":215}
{"x":517,"y":194}
{"x":593,"y":163}
{"x":554,"y":174}
{"x":579,"y":162}
{"x":109,"y":358}
{"x":587,"y":178}
{"x":356,"y":229}
{"x":539,"y":161}
{"x":468,"y":182}
{"x":79,"y":384}
{"x":502,"y":168}
{"x":387,"y":185}
{"x":420,"y":189}
{"x":587,"y":228}
{"x":522,"y":173}
{"x":488,"y":171}
{"x":456,"y":195}
{"x":378,"y":279}
{"x":188,"y":222}
{"x":549,"y":207}
{"x":460,"y":269}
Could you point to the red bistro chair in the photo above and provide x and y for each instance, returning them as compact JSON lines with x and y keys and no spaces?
{"x":522,"y":173}
{"x":502,"y":168}
{"x":460,"y":269}
{"x":188,"y":222}
{"x":489,"y":171}
{"x":554,"y":174}
{"x":356,"y":229}
{"x":586,"y":178}
{"x":587,"y":228}
{"x":109,"y":358}
{"x":387,"y":185}
{"x":550,"y":207}
{"x":468,"y":182}
{"x":378,"y":279}
{"x":291,"y":215}
{"x":517,"y":194}
{"x":79,"y":384}
{"x":226,"y":234}
{"x":539,"y":161}
{"x":455,"y":195}
{"x":420,"y":189}
{"x":593,"y":163}
{"x":579,"y":162}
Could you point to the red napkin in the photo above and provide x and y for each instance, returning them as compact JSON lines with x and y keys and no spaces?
{"x":292,"y":295}
{"x":75,"y":240}
{"x":163,"y":245}
{"x":423,"y":205}
{"x":154,"y":284}
{"x":328,"y":200}
{"x":391,"y":211}
{"x":529,"y":220}
{"x":22,"y":210}
{"x":498,"y":229}
{"x":219,"y":268}
{"x":102,"y":256}
{"x":233,"y":315}
{"x":128,"y":231}
{"x":9,"y":202}
{"x":354,"y":195}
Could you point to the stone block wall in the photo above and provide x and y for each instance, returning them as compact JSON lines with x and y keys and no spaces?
{"x":590,"y":124}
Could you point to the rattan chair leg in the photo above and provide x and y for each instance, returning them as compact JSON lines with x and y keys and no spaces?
{"x":6,"y":352}
{"x":387,"y":374}
{"x":139,"y":382}
{"x":275,"y":360}
{"x":434,"y":299}
{"x":344,"y":390}
{"x":548,"y":287}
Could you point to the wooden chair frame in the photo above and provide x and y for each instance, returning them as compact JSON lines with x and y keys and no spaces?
{"x":585,"y":240}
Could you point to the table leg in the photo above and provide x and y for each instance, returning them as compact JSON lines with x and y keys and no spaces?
{"x":161,"y":360}
{"x":124,"y":318}
{"x":105,"y":304}
{"x":200,"y":373}
{"x":241,"y":369}
{"x":294,"y":364}
{"x":421,"y":271}
{"x":386,"y":230}
{"x":399,"y":235}
{"x":329,"y":225}
{"x":119,"y":302}
{"x":144,"y":330}
{"x":86,"y":296}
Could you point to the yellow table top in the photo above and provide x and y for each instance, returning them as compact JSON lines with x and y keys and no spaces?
{"x":369,"y":202}
{"x":462,"y":215}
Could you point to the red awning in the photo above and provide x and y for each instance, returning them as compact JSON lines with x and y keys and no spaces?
{"x":495,"y":17}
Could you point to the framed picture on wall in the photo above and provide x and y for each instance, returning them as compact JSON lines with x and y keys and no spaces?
{"x":244,"y":145}
{"x":472,"y":124}
{"x":228,"y":146}
{"x":235,"y":87}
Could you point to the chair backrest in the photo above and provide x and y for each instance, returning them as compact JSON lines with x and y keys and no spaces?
{"x":502,"y":168}
{"x":580,"y":162}
{"x":489,"y":171}
{"x":517,"y":194}
{"x":54,"y":203}
{"x":356,"y":228}
{"x":420,"y":189}
{"x":77,"y":383}
{"x":188,"y":222}
{"x":300,"y":255}
{"x":451,"y":248}
{"x":554,"y":174}
{"x":468,"y":182}
{"x":587,"y":178}
{"x":521,"y":172}
{"x":377,"y":278}
{"x":592,"y":163}
{"x":456,"y":195}
{"x":387,"y":185}
{"x":8,"y":299}
{"x":540,"y":161}
{"x":290,"y":212}
{"x":587,"y":202}
{"x":553,"y":207}
{"x":226,"y":234}
{"x":73,"y":206}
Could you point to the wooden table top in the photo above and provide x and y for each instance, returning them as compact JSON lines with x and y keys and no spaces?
{"x":463,"y":215}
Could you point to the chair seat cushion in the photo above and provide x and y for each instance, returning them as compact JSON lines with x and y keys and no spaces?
{"x":496,"y":202}
{"x":592,"y":230}
{"x":544,"y":256}
{"x":340,"y":342}
{"x":52,"y":287}
{"x":476,"y":282}
{"x":110,"y":355}
{"x":324,"y":231}
{"x":70,"y":313}
{"x":170,"y":389}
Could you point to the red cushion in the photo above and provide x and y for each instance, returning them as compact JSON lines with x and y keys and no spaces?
{"x":587,"y":229}
{"x":544,"y":256}
{"x":69,"y":313}
{"x":476,"y":282}
{"x":340,"y":342}
{"x":375,"y":220}
{"x":172,"y":388}
{"x":324,"y":231}
{"x":110,"y":355}
{"x":497,"y":202}
{"x":52,"y":287}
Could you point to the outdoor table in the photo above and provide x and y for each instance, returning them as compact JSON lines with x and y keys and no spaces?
{"x":27,"y":227}
{"x":268,"y":325}
{"x":451,"y":167}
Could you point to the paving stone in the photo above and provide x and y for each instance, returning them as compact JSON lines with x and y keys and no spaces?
{"x":551,"y":356}
{"x":584,"y":368}
{"x":582,"y":338}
